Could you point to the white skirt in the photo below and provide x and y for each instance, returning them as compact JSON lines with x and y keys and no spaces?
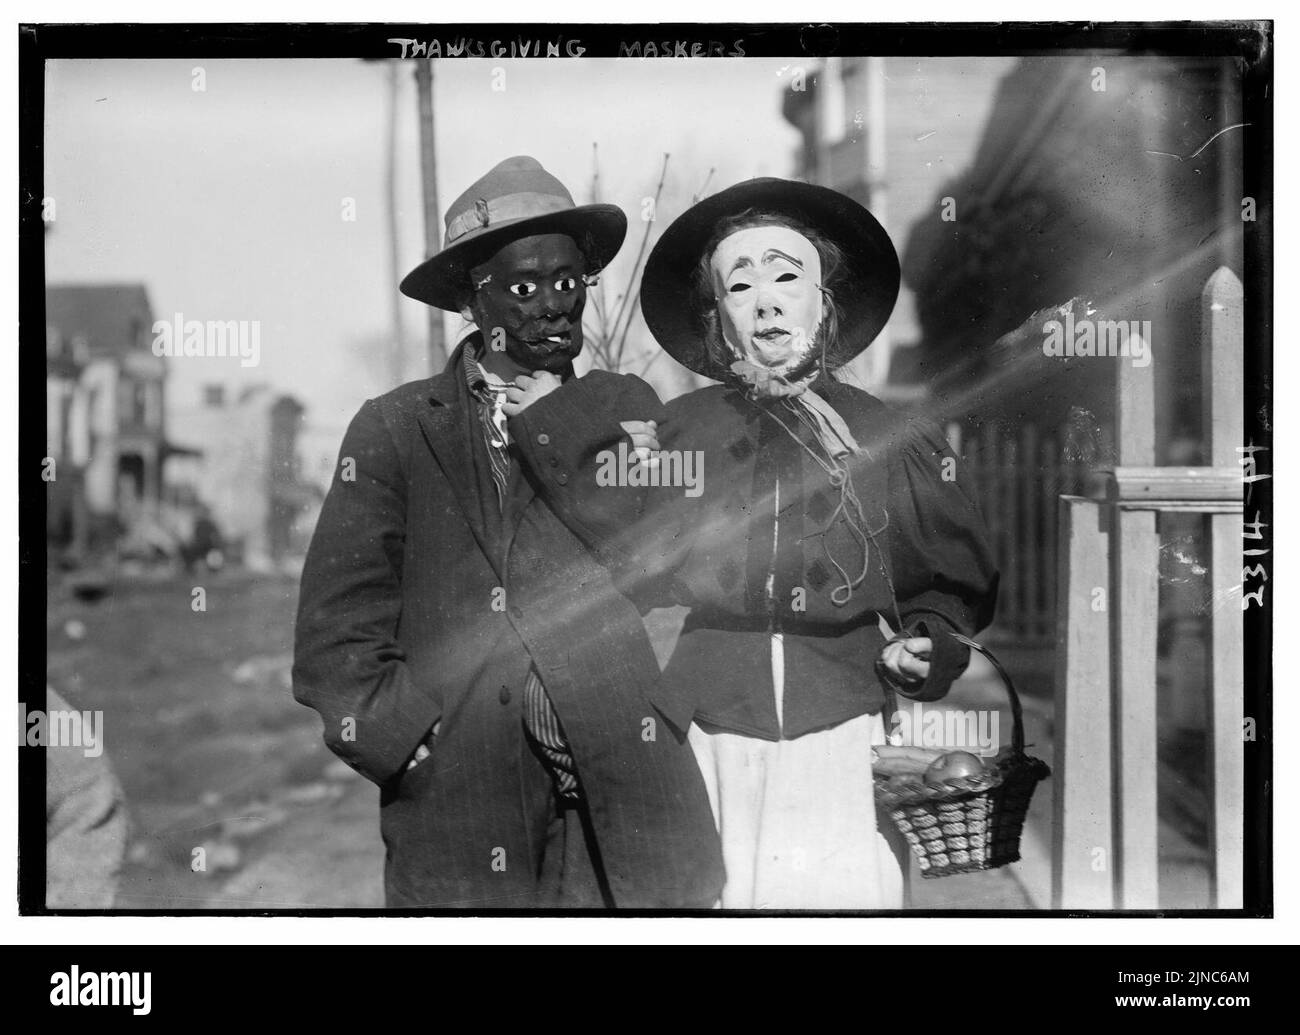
{"x":797,"y":818}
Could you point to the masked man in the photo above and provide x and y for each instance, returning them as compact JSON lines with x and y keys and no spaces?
{"x":465,"y":651}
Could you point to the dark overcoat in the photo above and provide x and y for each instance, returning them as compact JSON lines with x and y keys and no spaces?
{"x":421,"y":603}
{"x":711,"y":543}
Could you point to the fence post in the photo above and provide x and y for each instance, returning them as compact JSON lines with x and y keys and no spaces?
{"x":1053,"y":473}
{"x":1116,"y":544}
{"x":1223,"y":394}
{"x":1135,"y":599}
{"x":1083,"y":857}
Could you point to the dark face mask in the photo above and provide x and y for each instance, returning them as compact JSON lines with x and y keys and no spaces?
{"x":528,"y":301}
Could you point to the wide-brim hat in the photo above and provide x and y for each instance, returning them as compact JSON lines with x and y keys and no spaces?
{"x":867,"y":281}
{"x":517,"y":198}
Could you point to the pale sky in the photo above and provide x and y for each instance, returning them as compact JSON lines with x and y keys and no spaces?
{"x":227,"y":203}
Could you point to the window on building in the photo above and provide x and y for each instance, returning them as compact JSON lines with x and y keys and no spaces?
{"x":140,"y":404}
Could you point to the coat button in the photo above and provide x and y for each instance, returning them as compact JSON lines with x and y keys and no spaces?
{"x":555,"y":461}
{"x":562,"y":478}
{"x":543,"y":439}
{"x":516,"y":611}
{"x":504,"y":695}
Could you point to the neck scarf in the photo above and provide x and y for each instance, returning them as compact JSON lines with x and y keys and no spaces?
{"x":497,"y":388}
{"x":826,"y":424}
{"x":838,"y":443}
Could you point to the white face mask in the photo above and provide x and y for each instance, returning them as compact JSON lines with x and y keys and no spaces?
{"x":767,"y":282}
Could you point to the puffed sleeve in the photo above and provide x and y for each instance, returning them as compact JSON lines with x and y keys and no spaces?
{"x":945,"y":575}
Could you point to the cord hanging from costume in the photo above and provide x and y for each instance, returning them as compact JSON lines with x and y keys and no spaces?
{"x":840,"y":476}
{"x":828,"y":429}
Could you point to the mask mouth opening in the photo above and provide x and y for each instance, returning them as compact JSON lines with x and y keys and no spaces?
{"x":559,"y":339}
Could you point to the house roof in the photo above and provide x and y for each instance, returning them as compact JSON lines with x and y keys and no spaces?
{"x":111,"y":318}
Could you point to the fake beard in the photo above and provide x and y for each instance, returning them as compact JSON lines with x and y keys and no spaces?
{"x":798,"y":368}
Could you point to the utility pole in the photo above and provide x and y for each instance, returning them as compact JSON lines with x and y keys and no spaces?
{"x":429,"y":179}
{"x":397,"y":357}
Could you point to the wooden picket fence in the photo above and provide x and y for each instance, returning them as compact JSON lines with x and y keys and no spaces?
{"x":1018,"y":475}
{"x":1105,"y":850}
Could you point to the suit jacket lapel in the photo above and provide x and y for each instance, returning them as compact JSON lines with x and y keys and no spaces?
{"x":443,"y":425}
{"x":519,"y":493}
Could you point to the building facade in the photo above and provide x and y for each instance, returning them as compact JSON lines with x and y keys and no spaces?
{"x":245,"y":470}
{"x":105,"y":410}
{"x":890,"y":132}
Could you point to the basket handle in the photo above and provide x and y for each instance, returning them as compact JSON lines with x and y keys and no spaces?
{"x":1017,"y":713}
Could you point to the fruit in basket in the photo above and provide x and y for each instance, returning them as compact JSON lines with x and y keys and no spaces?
{"x":891,"y":761}
{"x":901,"y":782}
{"x":955,"y":765}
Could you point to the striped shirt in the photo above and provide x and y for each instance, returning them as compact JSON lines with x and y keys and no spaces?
{"x":540,"y":721}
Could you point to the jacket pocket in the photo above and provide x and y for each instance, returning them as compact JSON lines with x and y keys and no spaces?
{"x":413,"y":775}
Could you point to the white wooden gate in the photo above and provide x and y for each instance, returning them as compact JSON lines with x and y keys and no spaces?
{"x":1105,"y":807}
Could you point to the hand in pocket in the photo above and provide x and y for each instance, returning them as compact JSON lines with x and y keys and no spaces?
{"x":425,"y":749}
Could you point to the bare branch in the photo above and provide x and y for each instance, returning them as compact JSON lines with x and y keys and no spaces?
{"x":695,"y":198}
{"x":633,"y":282}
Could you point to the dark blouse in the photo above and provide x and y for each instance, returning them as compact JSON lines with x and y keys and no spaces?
{"x":715,"y":552}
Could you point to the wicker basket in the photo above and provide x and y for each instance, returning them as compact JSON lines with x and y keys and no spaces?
{"x":973,"y":823}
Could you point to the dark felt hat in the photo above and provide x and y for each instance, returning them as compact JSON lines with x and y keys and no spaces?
{"x":867,"y":282}
{"x":517,"y":198}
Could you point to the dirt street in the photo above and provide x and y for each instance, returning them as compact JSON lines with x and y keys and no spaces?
{"x":234,"y":799}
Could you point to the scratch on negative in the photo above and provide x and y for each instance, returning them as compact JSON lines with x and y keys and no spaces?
{"x":1225,"y":129}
